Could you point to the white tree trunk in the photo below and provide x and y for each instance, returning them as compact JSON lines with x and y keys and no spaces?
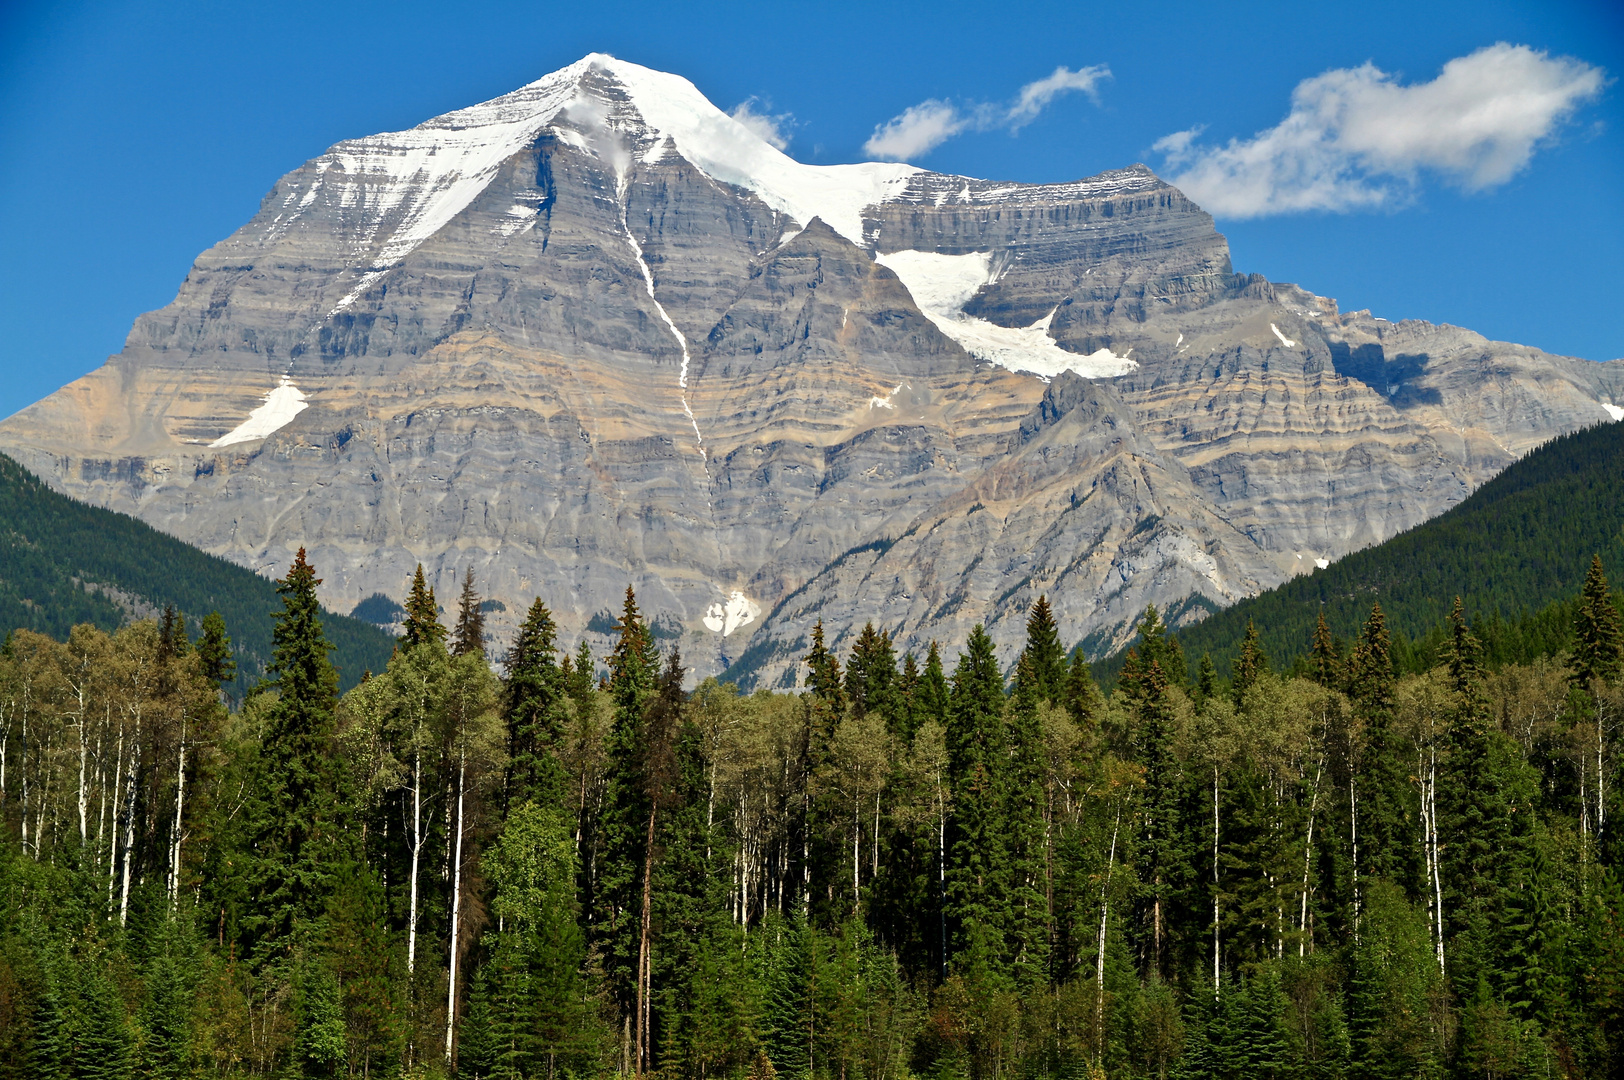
{"x":180,"y":808}
{"x":417,"y":856}
{"x":456,"y":912}
{"x":129,"y":822}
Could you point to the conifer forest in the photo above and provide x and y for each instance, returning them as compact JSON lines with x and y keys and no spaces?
{"x":506,"y":859}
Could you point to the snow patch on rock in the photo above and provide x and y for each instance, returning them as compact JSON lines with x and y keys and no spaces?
{"x":1284,"y":340}
{"x":281,"y":406}
{"x":1613,"y":410}
{"x":725,"y":617}
{"x":942,"y":284}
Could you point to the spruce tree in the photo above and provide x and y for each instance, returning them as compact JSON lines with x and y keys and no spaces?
{"x":617,"y":928}
{"x":978,"y":902}
{"x":1157,"y":847}
{"x":422,"y":613}
{"x":294,"y":830}
{"x":50,"y":1048}
{"x":1249,"y":665}
{"x":1386,"y":817}
{"x":1082,"y":696}
{"x":933,"y":689}
{"x":1598,"y":639}
{"x":1326,"y":663}
{"x":214,"y":651}
{"x":1045,"y":655}
{"x":871,"y":675}
{"x":534,"y":710}
{"x":1206,"y":684}
{"x":1028,"y":919}
{"x":103,"y":1046}
{"x":469,"y":636}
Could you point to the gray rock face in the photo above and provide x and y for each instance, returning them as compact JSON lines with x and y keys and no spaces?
{"x":593,"y":333}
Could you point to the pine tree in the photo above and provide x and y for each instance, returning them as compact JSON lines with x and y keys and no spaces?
{"x":617,"y":924}
{"x":469,"y":636}
{"x":1249,"y":665}
{"x":1206,"y":684}
{"x":823,"y":679}
{"x":1082,"y":696}
{"x":294,"y":835}
{"x":977,"y":871}
{"x":167,"y":1049}
{"x":1027,"y":936}
{"x":933,"y":690}
{"x":871,"y":675}
{"x":1598,"y":639}
{"x":214,"y":651}
{"x":318,"y":1034}
{"x":582,"y":678}
{"x":1259,"y":1046}
{"x":1326,"y":663}
{"x":908,"y":704}
{"x":102,"y":1047}
{"x":1386,"y":820}
{"x":1044,"y":653}
{"x":49,"y":1049}
{"x":1157,"y":855}
{"x":534,"y":711}
{"x":422,"y":613}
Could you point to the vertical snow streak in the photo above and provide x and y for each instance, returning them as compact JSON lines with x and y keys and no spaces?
{"x":682,"y":340}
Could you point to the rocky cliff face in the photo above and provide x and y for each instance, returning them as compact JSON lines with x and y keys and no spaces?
{"x":595,"y":333}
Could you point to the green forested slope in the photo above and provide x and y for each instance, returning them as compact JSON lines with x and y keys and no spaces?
{"x":50,"y":544}
{"x":1515,"y":551}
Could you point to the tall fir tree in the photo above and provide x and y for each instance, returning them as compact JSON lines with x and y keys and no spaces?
{"x":1385,"y":814}
{"x":871,"y":676}
{"x":534,"y":710}
{"x":295,"y":832}
{"x":1249,"y":665}
{"x":1157,"y":853}
{"x":1028,"y":918}
{"x":469,"y":635}
{"x":214,"y":651}
{"x":1598,"y":639}
{"x":634,"y":667}
{"x":978,"y":901}
{"x":1045,"y":655}
{"x":422,"y":621}
{"x":1325,"y":662}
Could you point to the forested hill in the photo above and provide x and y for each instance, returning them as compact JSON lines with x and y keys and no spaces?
{"x":1515,"y":551}
{"x":63,"y":562}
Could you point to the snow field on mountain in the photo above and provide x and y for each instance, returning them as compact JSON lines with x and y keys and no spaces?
{"x":281,"y":405}
{"x":942,"y":284}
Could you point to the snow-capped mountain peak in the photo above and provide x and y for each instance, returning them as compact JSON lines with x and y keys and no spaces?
{"x":404,"y":186}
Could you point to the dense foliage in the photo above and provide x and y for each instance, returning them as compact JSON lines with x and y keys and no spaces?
{"x":549,"y":869}
{"x":1512,"y":551}
{"x":63,"y":563}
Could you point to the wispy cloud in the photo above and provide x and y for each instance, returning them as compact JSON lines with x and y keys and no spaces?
{"x":1035,"y":96}
{"x":1356,"y":138}
{"x":768,"y":127}
{"x":921,"y":128}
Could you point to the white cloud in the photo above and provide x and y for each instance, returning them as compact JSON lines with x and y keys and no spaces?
{"x":1035,"y":96}
{"x":769,"y":128}
{"x":1357,"y":139}
{"x":921,"y":128}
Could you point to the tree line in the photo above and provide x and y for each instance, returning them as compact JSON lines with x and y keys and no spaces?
{"x":546,"y":863}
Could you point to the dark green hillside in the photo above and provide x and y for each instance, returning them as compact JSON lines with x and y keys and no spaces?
{"x":1516,"y":551}
{"x":50,"y":544}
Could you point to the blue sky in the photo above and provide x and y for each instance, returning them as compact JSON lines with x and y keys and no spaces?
{"x":134,"y":136}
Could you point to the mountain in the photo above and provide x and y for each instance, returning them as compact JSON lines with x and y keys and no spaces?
{"x":1514,"y":548}
{"x":595,"y":332}
{"x":62,"y":563}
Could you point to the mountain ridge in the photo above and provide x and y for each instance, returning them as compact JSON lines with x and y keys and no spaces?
{"x":600,"y":363}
